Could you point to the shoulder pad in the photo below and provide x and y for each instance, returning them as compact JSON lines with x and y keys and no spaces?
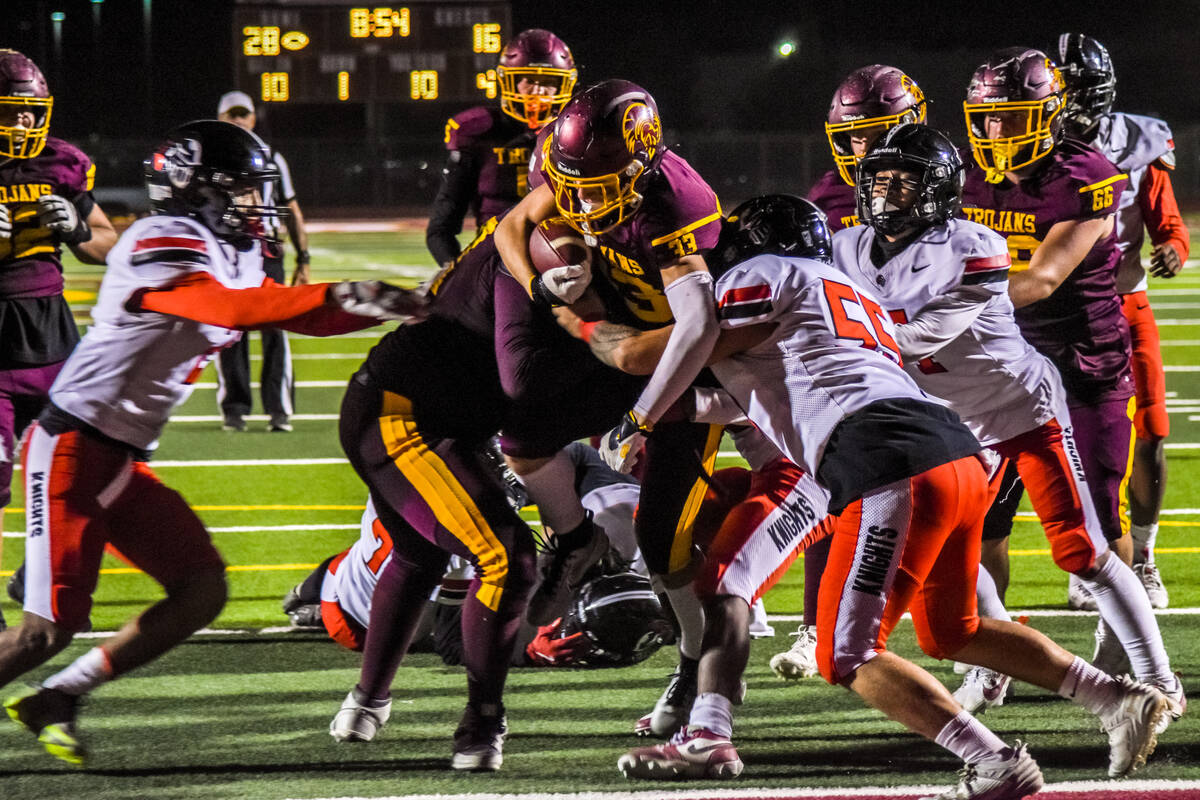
{"x":465,"y":128}
{"x":75,"y":168}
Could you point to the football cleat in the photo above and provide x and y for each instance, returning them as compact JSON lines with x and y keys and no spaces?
{"x":233,"y":424}
{"x":760,"y":627}
{"x":280,"y":424}
{"x":1176,"y":703}
{"x":800,"y":660}
{"x":693,"y":752}
{"x":1109,"y":655}
{"x":1013,"y":775}
{"x":1078,"y":596}
{"x":1132,"y":725}
{"x":49,"y":714}
{"x":356,"y":722}
{"x":563,"y":574}
{"x":981,"y":689}
{"x":674,"y":706}
{"x":479,"y":741}
{"x":1151,"y":579}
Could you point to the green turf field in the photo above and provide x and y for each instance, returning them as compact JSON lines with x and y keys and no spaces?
{"x":245,"y":714}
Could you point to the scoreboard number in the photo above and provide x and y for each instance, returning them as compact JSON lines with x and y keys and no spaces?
{"x":486,"y":81}
{"x":343,"y":85}
{"x":486,"y":37}
{"x":424,"y":84}
{"x":275,"y":87}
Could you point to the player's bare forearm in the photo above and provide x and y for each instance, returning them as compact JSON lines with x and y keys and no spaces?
{"x":104,"y":236}
{"x":1066,"y":245}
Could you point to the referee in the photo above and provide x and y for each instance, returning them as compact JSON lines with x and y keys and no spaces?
{"x":233,"y":364}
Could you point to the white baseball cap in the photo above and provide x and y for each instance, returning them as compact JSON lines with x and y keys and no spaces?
{"x":232,"y":100}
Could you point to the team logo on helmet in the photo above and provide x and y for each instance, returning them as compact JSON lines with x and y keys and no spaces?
{"x":180,"y":161}
{"x":642,"y":129}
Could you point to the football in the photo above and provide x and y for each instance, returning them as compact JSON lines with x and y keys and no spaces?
{"x":554,"y":243}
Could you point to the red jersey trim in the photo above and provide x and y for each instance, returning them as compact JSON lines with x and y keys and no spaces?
{"x":172,"y":242}
{"x":986,"y":264}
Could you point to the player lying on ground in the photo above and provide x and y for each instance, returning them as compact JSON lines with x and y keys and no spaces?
{"x":180,"y":285}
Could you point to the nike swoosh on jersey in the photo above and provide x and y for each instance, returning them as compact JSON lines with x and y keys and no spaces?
{"x":918,"y":269}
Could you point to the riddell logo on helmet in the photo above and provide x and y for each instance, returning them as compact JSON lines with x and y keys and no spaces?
{"x":642,"y":127}
{"x":560,"y":167}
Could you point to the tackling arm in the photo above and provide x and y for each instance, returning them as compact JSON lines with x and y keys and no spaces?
{"x":1066,"y":245}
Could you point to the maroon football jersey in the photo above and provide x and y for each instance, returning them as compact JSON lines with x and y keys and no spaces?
{"x":30,"y":263}
{"x":831,"y":194}
{"x":1080,"y":326}
{"x":500,"y":146}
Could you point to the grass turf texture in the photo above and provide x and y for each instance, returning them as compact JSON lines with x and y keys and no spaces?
{"x":246,"y":716}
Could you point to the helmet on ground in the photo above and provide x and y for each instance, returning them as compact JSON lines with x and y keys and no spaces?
{"x":621,"y":617}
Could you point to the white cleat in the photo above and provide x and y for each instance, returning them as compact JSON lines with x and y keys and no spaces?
{"x":1152,"y":581}
{"x":1078,"y":596}
{"x":358,"y":723}
{"x":1132,"y":726}
{"x":981,"y":689}
{"x":1012,"y":776}
{"x":800,"y":660}
{"x":1176,"y":703}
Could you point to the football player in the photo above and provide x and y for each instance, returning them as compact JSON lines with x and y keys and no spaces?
{"x":180,"y":285}
{"x":45,"y":203}
{"x":1143,"y":148}
{"x":1055,"y":200}
{"x":944,"y":281}
{"x":487,"y":168}
{"x":868,"y":102}
{"x":817,"y":369}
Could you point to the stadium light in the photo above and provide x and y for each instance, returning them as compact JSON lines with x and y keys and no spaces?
{"x":787,"y":48}
{"x":58,"y":17}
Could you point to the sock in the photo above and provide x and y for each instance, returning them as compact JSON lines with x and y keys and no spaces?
{"x":1123,"y":604}
{"x":1089,"y":687}
{"x":366,"y":701}
{"x":990,"y":604}
{"x":970,"y":740}
{"x":714,"y":712}
{"x":690,"y":615}
{"x":1143,"y":542}
{"x":551,"y":487}
{"x":83,"y":674}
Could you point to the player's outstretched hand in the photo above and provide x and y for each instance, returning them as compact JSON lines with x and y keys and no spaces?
{"x":561,"y":286}
{"x":379,"y":300}
{"x":622,"y":446}
{"x":1165,"y":261}
{"x":60,"y":215}
{"x":5,"y":222}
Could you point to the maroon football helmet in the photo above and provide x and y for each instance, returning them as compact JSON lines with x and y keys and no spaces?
{"x":544,"y":63}
{"x":23,"y":90}
{"x":603,"y":148}
{"x":870,"y":100}
{"x":1021,"y":90}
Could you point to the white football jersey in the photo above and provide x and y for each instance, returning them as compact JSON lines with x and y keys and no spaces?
{"x":965,"y":347}
{"x":1133,"y":143}
{"x":832,"y":353}
{"x":131,"y":370}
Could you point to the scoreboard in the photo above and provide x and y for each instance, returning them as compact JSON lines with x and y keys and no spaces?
{"x":302,"y":51}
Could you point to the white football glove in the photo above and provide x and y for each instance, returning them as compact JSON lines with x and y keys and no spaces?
{"x":561,"y":286}
{"x":622,"y":446}
{"x":60,"y":215}
{"x":379,"y":300}
{"x":5,"y":222}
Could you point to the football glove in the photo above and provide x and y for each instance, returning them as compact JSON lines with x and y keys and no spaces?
{"x":379,"y":300}
{"x":60,"y":215}
{"x":1165,"y":261}
{"x":547,"y":651}
{"x":5,"y":222}
{"x":560,"y":286}
{"x":622,"y":446}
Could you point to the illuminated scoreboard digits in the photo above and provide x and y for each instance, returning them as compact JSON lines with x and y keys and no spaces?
{"x":353,"y":53}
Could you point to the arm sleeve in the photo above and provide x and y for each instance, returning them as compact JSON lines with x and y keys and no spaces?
{"x":941,"y":321}
{"x":459,"y":180}
{"x":200,"y":297}
{"x":691,"y":343}
{"x":1160,"y":211}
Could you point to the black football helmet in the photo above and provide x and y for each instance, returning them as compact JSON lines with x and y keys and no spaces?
{"x":1091,"y":83}
{"x":780,"y":224}
{"x":937,"y":169}
{"x":205,"y":169}
{"x":620,"y":617}
{"x":22,"y":89}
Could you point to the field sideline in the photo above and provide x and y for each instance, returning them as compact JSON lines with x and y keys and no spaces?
{"x":242,"y":712}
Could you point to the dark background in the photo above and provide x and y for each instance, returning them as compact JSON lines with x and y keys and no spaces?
{"x":712,"y":66}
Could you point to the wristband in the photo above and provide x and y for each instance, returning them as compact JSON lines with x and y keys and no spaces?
{"x":301,"y":256}
{"x":586,"y":329}
{"x":81,"y":234}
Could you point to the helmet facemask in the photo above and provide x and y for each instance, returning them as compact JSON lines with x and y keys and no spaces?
{"x":918,"y":193}
{"x":523,"y":94}
{"x":24,"y":141}
{"x":1029,"y":130}
{"x":233,"y":208}
{"x":595,"y":205}
{"x":840,"y":134}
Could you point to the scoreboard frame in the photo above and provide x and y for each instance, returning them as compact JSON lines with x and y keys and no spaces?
{"x":350,"y":51}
